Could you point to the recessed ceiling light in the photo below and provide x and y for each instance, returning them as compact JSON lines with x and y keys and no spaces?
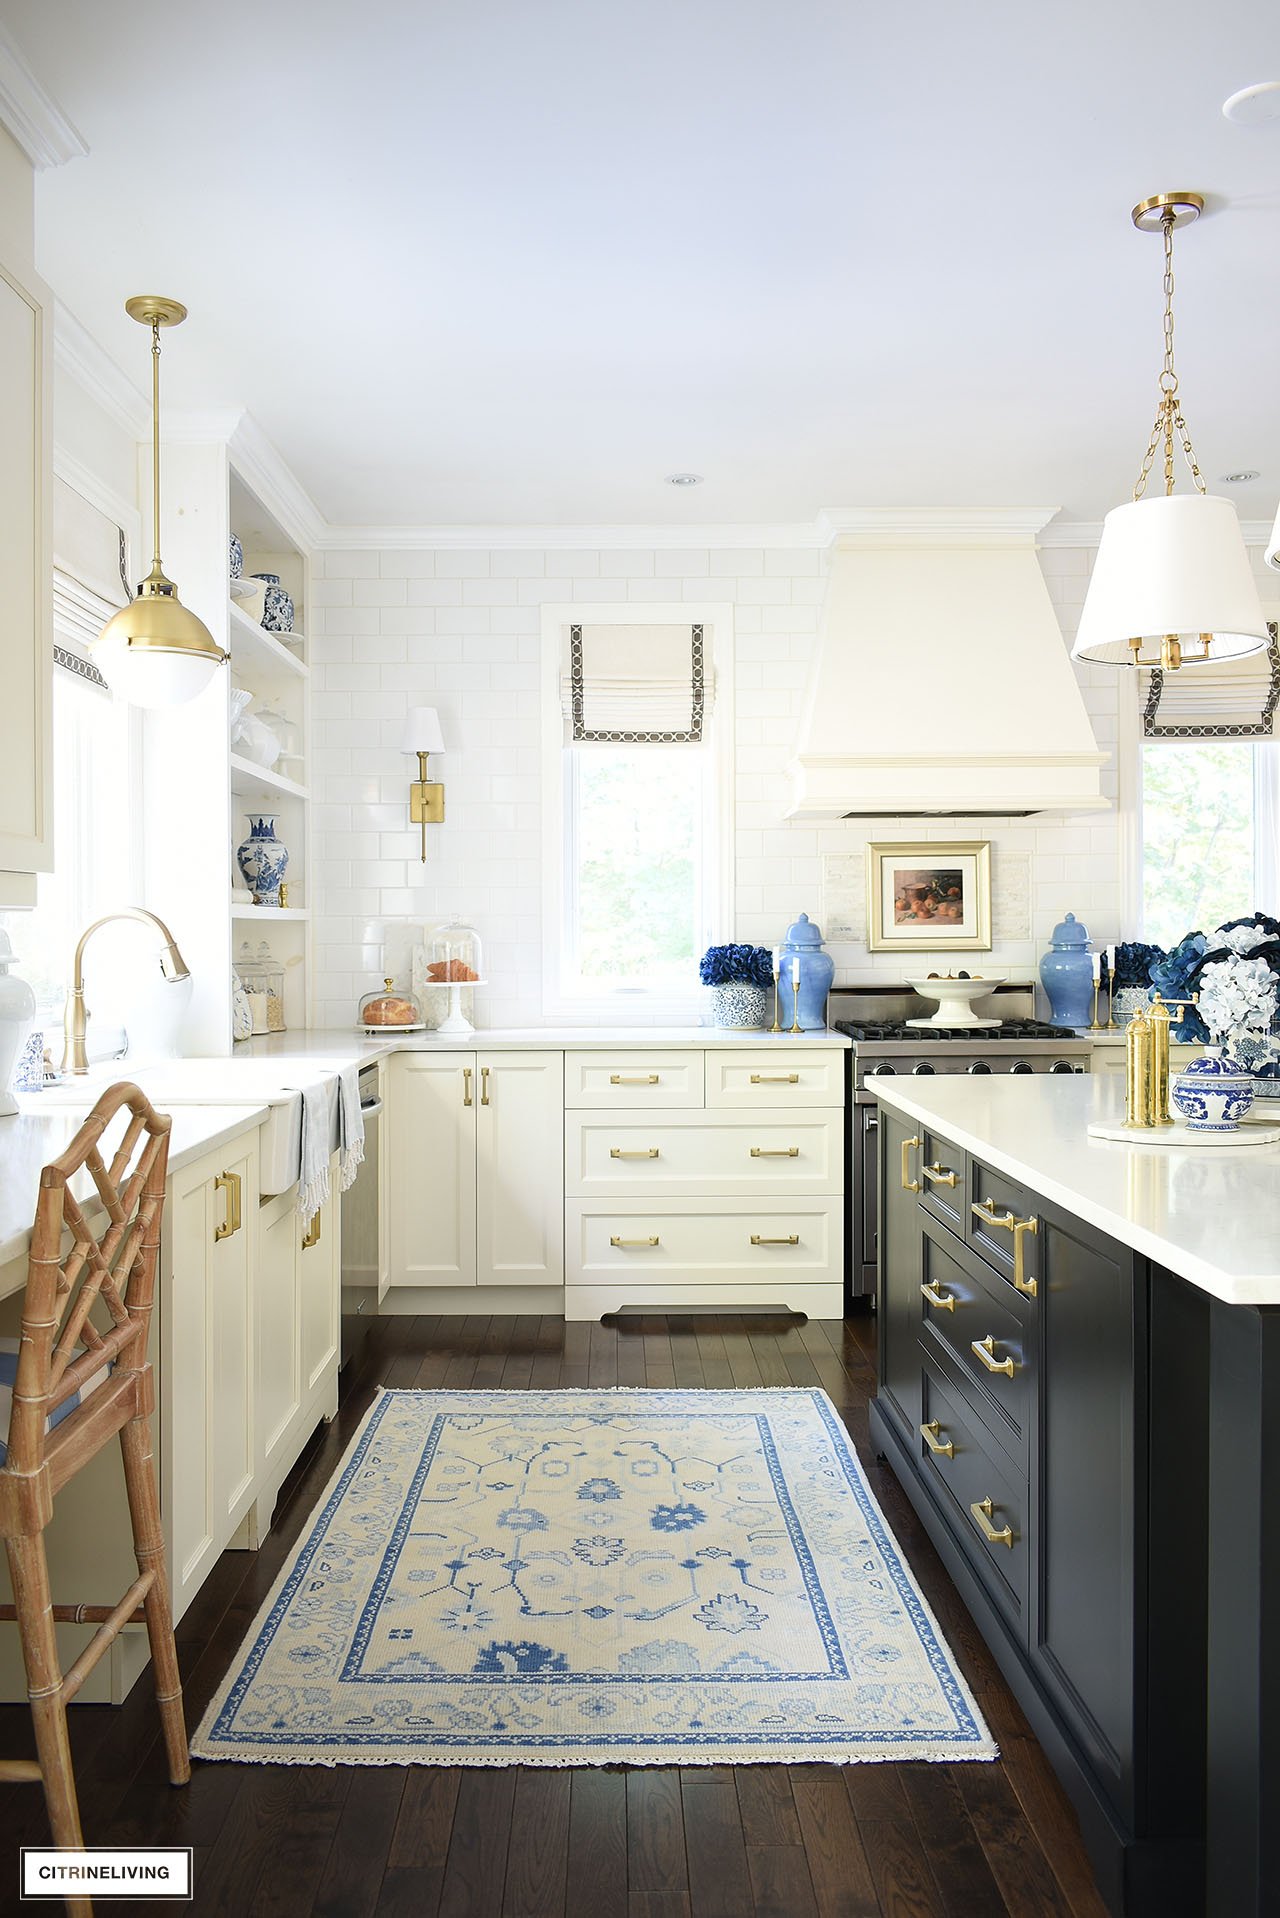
{"x":684,"y":479}
{"x":1237,"y":479}
{"x":1254,"y":106}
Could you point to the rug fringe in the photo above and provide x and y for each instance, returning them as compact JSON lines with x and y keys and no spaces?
{"x":495,"y":1761}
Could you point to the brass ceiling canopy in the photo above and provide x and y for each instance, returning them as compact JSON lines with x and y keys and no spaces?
{"x":1180,"y":209}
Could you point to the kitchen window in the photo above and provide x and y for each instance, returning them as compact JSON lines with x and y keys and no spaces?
{"x":637,"y":777}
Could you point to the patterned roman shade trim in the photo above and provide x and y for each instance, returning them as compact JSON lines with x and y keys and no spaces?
{"x":78,"y":665}
{"x":1235,"y":699}
{"x":632,"y":686}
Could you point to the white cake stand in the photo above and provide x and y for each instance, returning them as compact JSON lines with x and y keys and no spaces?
{"x":955,"y":999}
{"x":455,"y":1020}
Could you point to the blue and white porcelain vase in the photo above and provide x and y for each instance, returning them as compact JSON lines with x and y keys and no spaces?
{"x":740,"y":1005}
{"x":817,"y":970}
{"x":1066,"y":973}
{"x":1212,"y":1093}
{"x":277,"y":607}
{"x":235,"y":558}
{"x":262,"y":860}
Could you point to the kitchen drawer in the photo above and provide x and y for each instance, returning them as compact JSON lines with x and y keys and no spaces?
{"x":994,"y":1198}
{"x":944,"y":1179}
{"x":962,"y":1309}
{"x":622,"y":1080}
{"x":777,"y":1076}
{"x":674,"y":1154}
{"x":717,"y":1239}
{"x":973,"y":1471}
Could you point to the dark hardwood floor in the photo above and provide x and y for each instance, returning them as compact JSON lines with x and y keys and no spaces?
{"x":761,"y":1841}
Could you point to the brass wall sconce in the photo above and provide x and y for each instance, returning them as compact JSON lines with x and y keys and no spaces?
{"x":422,"y":735}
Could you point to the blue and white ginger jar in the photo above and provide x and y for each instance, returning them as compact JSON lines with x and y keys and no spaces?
{"x":235,"y":558}
{"x":277,"y":607}
{"x":262,"y":859}
{"x":1212,"y":1093}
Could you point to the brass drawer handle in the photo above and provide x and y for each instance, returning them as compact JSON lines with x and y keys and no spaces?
{"x":775,"y":1078}
{"x":932,"y":1436}
{"x":983,"y":1512}
{"x":484,"y":1085}
{"x":634,"y":1079}
{"x":646,"y":1152}
{"x":655,"y":1240}
{"x":941,"y":1174}
{"x":985,"y":1349}
{"x":775,"y":1152}
{"x":908,"y":1184}
{"x":935,"y":1296}
{"x":985,"y":1210}
{"x":792,"y":1238}
{"x":312,"y":1234}
{"x":466,"y":1085}
{"x":228,"y":1182}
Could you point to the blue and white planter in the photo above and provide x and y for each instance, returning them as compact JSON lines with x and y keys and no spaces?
{"x":740,"y":1005}
{"x":1212,"y":1093}
{"x":262,"y":859}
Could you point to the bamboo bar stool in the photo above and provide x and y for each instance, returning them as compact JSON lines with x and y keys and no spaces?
{"x":76,"y":1385}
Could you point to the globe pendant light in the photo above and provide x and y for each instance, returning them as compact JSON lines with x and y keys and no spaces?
{"x":153,"y":652}
{"x":1171,"y":585}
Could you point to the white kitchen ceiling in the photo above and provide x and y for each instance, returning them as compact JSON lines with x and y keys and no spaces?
{"x":503,"y":261}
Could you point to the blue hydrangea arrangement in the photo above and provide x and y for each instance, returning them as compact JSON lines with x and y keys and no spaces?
{"x":736,"y":965}
{"x":1134,"y":961}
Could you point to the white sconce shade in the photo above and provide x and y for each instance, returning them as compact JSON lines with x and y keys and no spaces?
{"x":1176,"y":568}
{"x":1273,"y":545}
{"x":422,"y":732}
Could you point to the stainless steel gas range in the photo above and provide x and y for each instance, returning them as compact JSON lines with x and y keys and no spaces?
{"x":883,"y":1043}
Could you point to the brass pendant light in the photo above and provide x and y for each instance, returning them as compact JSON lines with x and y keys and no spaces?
{"x":154,"y":652}
{"x":1172,"y":585}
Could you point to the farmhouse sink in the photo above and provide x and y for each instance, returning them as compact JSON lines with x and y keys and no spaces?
{"x":274,"y":1083}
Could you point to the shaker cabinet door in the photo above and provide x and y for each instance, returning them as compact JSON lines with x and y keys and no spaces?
{"x":26,"y":609}
{"x":430,"y":1141}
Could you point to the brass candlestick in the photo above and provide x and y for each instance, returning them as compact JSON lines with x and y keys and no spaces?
{"x":775,"y":1027}
{"x":1096,"y":1024}
{"x":795,"y":1025}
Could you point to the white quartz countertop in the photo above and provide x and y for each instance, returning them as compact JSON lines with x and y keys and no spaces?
{"x":1210,"y":1214}
{"x":29,"y":1141}
{"x":340,"y":1044}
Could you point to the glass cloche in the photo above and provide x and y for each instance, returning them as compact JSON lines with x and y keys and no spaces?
{"x":453,"y":958}
{"x":395,"y":1007}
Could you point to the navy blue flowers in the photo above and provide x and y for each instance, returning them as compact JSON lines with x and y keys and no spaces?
{"x":677,"y":1518}
{"x":733,"y":965}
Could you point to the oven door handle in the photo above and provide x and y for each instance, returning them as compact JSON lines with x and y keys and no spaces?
{"x":371,"y":1111}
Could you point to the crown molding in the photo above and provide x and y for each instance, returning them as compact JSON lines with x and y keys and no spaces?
{"x":78,"y":355}
{"x":662,"y":536}
{"x":260,"y":465}
{"x":35,"y":120}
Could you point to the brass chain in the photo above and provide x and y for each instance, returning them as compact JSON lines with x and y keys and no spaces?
{"x":1169,"y":417}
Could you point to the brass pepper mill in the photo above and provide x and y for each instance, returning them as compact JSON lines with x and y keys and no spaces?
{"x":1159,"y":1021}
{"x":1138,"y":1105}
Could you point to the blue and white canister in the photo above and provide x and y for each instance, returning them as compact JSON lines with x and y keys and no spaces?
{"x":1212,"y":1093}
{"x":277,"y":607}
{"x":262,"y":859}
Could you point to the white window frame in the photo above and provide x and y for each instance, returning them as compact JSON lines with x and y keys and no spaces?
{"x":629,"y":1004}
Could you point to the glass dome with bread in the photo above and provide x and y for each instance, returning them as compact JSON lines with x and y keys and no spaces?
{"x":452,"y":960}
{"x":395,"y":1008}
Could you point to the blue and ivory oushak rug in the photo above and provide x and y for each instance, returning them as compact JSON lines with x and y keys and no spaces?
{"x":629,"y":1577}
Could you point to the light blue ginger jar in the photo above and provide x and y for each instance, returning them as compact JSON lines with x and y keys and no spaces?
{"x":262,"y":859}
{"x":1066,"y":973}
{"x":817,"y":970}
{"x":1212,"y":1093}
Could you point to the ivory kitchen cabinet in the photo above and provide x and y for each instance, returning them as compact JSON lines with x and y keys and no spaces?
{"x":477,"y":1170}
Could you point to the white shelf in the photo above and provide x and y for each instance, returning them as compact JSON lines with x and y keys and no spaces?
{"x":271,"y":912}
{"x":256,"y":782}
{"x":260,"y":650}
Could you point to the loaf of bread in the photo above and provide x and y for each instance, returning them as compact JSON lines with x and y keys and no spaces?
{"x":450,"y":972}
{"x":390,"y":1012}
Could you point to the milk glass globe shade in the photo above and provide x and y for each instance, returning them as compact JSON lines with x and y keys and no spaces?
{"x":155,"y":653}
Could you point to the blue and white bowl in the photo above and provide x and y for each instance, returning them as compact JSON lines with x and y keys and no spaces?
{"x":1212,"y":1093}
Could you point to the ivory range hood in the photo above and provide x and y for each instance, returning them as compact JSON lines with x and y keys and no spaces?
{"x":941,"y":685}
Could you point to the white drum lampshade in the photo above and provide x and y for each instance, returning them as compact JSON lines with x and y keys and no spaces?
{"x":1173,"y":566}
{"x":1273,"y":545}
{"x":422,"y":732}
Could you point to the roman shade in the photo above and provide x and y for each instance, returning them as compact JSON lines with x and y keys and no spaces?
{"x":89,"y":583}
{"x":635,"y":685}
{"x":1228,"y":699}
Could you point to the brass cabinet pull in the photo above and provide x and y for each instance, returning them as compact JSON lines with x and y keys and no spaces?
{"x":775,"y":1152}
{"x":985,"y":1349}
{"x":932,"y":1436}
{"x":984,"y":1512}
{"x":312,"y":1234}
{"x":634,"y":1079}
{"x":484,"y":1085}
{"x":941,"y":1174}
{"x":936,"y":1296}
{"x":792,"y":1238}
{"x":466,"y":1085}
{"x":985,"y":1210}
{"x":908,"y":1184}
{"x":228,"y":1182}
{"x":775,"y":1078}
{"x":655,"y":1240}
{"x":646,"y":1152}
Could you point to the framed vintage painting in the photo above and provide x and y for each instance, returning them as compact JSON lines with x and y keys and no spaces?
{"x":930,"y":897}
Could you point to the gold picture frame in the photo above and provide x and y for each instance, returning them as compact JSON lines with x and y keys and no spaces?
{"x":929,"y":895}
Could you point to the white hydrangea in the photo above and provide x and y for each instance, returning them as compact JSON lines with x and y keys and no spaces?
{"x":1237,"y":995}
{"x":1241,"y":939}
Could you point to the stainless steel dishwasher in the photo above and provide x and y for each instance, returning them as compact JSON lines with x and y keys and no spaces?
{"x":361,"y":1223}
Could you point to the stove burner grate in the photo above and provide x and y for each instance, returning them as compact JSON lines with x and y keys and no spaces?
{"x":871,"y":1030}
